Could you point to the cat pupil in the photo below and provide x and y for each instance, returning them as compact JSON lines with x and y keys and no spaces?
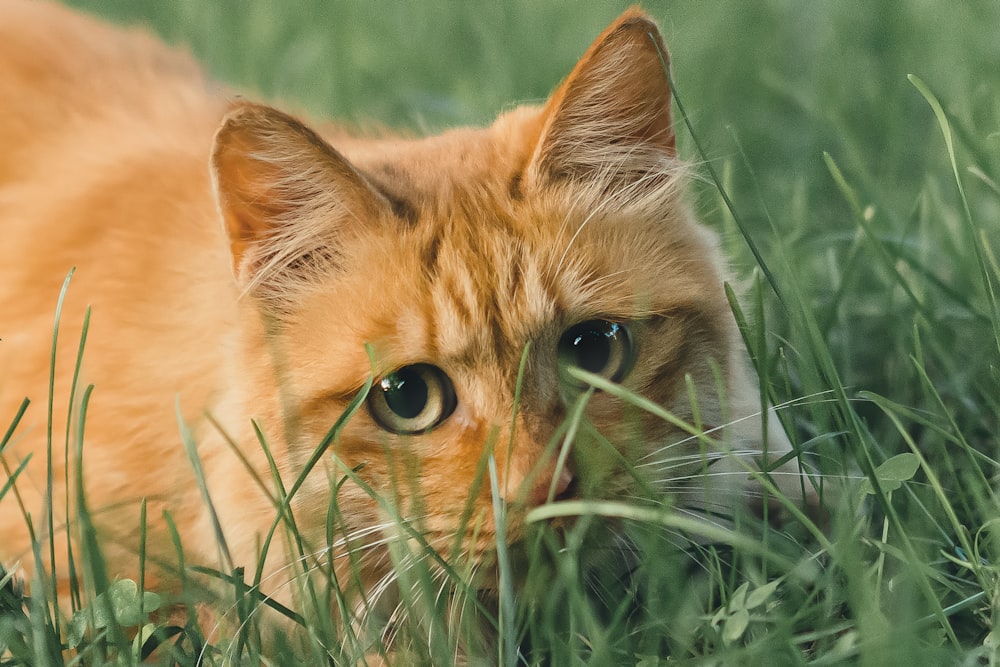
{"x":405,"y":393}
{"x":593,"y":350}
{"x":598,"y":346}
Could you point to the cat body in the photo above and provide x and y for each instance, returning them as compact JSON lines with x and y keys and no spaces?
{"x":244,"y":273}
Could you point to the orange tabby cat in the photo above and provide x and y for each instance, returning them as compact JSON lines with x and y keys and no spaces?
{"x":237,"y":264}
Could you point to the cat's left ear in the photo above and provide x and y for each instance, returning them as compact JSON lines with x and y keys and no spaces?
{"x":610,"y":120}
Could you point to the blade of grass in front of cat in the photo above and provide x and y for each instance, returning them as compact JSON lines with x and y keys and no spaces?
{"x":572,"y":423}
{"x":45,"y":638}
{"x":505,"y":612}
{"x":9,"y":433}
{"x":410,"y":532}
{"x":95,"y":566}
{"x":636,"y":399}
{"x":187,"y":438}
{"x":322,"y":448}
{"x":517,"y":405}
{"x":49,"y":481}
{"x":75,"y":599}
{"x":12,"y":476}
{"x":284,"y":510}
{"x":656,"y":516}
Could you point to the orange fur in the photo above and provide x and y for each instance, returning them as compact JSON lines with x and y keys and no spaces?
{"x":237,"y":264}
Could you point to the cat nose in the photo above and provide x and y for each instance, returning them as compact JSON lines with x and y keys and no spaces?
{"x":559,"y":485}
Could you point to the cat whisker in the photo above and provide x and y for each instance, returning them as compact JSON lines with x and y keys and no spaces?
{"x":806,"y":399}
{"x":698,"y":484}
{"x":374,"y":594}
{"x":794,"y":402}
{"x":461,"y":592}
{"x":430,"y":609}
{"x":687,"y":440}
{"x":622,"y":560}
{"x":410,"y":601}
{"x":698,"y":457}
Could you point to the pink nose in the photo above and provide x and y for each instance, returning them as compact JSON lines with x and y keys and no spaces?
{"x":540,"y":493}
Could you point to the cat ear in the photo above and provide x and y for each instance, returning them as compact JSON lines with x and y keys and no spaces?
{"x":285,"y":195}
{"x":610,"y":119}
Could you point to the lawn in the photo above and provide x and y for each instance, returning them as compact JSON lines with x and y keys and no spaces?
{"x":849,"y":153}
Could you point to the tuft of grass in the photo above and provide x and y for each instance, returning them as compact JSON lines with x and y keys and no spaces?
{"x":851,"y":155}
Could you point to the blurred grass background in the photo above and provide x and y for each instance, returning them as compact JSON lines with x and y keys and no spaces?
{"x":838,"y":171}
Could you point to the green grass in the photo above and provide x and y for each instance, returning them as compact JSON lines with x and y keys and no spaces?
{"x":872,"y":200}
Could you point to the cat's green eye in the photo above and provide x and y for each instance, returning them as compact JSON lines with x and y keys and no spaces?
{"x":413,"y":399}
{"x":598,"y":346}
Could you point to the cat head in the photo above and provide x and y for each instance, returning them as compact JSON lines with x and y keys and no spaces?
{"x":473,"y":274}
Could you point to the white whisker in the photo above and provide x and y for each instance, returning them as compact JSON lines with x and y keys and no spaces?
{"x":699,"y":457}
{"x":802,"y":400}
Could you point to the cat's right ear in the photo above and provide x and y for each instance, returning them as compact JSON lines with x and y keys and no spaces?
{"x":609,"y":123}
{"x":286,"y":197}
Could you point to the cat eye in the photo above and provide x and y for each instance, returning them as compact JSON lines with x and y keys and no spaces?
{"x":413,"y":399}
{"x":598,"y":346}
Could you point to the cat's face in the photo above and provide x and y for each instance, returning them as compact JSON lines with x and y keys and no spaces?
{"x":479,"y":267}
{"x":449,"y":303}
